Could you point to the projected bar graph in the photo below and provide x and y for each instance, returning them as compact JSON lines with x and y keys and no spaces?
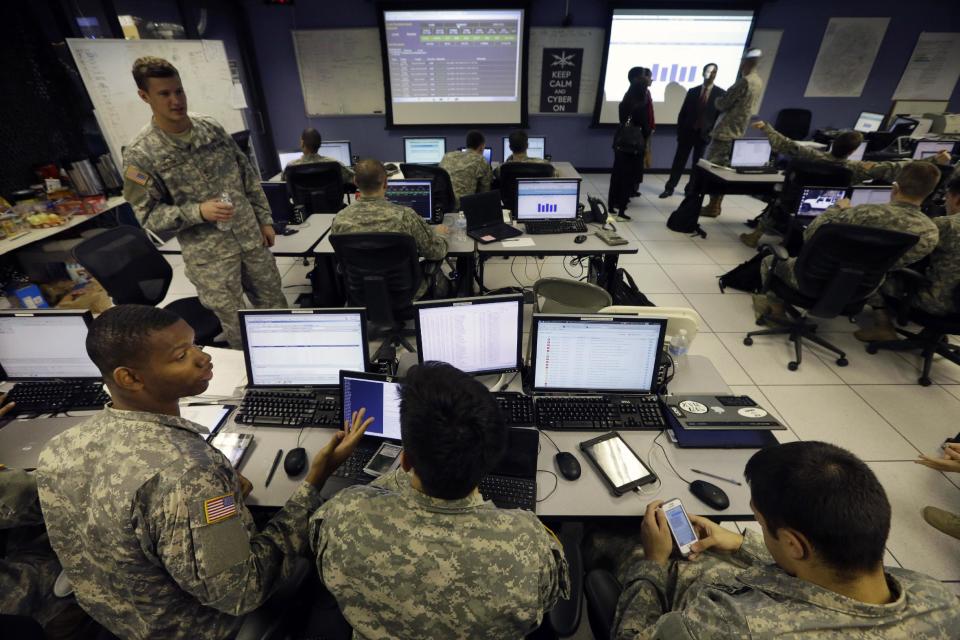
{"x":673,"y":73}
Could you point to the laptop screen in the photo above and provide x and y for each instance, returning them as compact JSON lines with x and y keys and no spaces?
{"x":816,"y":200}
{"x":596,"y":353}
{"x":339,"y":150}
{"x":476,"y":335}
{"x":907,"y":125}
{"x":379,"y":395}
{"x":278,"y":199}
{"x":858,"y":152}
{"x":487,"y":153}
{"x":301,"y":347}
{"x":928,"y":148}
{"x":35,"y":344}
{"x":520,"y":457}
{"x":868,"y":122}
{"x":536,"y":147}
{"x":547,"y":199}
{"x":870,"y":195}
{"x":286,"y":157}
{"x":416,"y":194}
{"x":424,"y":150}
{"x":750,"y":152}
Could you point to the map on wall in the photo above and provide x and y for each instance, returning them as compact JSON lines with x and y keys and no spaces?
{"x":847,"y":53}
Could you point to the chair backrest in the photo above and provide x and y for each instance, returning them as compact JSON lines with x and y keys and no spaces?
{"x":317,"y":186}
{"x":793,"y":123}
{"x":510,"y":171}
{"x":843,"y":264}
{"x":807,"y":173}
{"x":562,"y":295}
{"x":442,"y":190}
{"x":381,"y":272}
{"x":127,"y":264}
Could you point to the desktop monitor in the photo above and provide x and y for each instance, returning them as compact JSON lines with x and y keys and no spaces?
{"x":487,"y":154}
{"x":476,"y":335}
{"x":929,"y":148}
{"x":424,"y":150}
{"x":536,"y":147}
{"x":416,"y":194}
{"x":286,"y":157}
{"x":547,"y":198}
{"x":40,"y":344}
{"x":379,"y":395}
{"x":339,"y":150}
{"x":302,"y":347}
{"x":868,"y":122}
{"x":596,"y":354}
{"x":816,"y":200}
{"x":750,"y":152}
{"x":858,"y":152}
{"x":869,"y":195}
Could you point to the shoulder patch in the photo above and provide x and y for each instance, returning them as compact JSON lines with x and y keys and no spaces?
{"x":219,"y":508}
{"x":135,"y":175}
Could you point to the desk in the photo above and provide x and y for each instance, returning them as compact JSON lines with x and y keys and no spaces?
{"x":298,"y":245}
{"x":36,"y":235}
{"x":455,"y":247}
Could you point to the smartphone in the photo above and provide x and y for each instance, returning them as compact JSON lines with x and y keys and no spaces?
{"x":618,"y":464}
{"x":680,"y":525}
{"x":385,"y":459}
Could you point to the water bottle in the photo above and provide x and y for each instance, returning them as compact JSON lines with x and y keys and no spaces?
{"x":679,"y":345}
{"x":224,"y":225}
{"x":460,"y":227}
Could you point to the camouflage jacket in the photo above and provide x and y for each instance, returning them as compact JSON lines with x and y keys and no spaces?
{"x":403,"y":565}
{"x":307,"y":158}
{"x":19,"y":504}
{"x":166,"y":177}
{"x":522,"y":157}
{"x":378,"y":215}
{"x":943,"y":271}
{"x":748,"y":596}
{"x":150,"y":525}
{"x":736,"y":107}
{"x":469,"y":172}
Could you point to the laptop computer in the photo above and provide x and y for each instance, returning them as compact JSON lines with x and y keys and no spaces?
{"x":513,"y":482}
{"x":485,"y":218}
{"x":286,"y":157}
{"x":339,"y":150}
{"x":549,"y":205}
{"x":869,"y":195}
{"x":416,"y":194}
{"x":424,"y":150}
{"x":536,"y":147}
{"x":751,"y":155}
{"x":930,"y":148}
{"x":816,"y":200}
{"x":487,"y":154}
{"x":868,"y":122}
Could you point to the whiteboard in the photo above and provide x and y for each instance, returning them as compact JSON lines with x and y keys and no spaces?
{"x":847,"y":53}
{"x":105,"y":67}
{"x":588,"y":39}
{"x":341,"y":71}
{"x":933,"y":69}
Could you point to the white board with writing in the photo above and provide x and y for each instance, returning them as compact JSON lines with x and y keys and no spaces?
{"x":105,"y":67}
{"x":933,"y":69}
{"x":588,"y":39}
{"x":341,"y":71}
{"x":847,"y":53}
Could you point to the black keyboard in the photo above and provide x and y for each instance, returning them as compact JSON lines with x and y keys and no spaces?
{"x":352,"y":467}
{"x":515,"y":408}
{"x":555,"y":226}
{"x":292,"y":408}
{"x":510,"y":493}
{"x":602,"y":413}
{"x":56,"y":396}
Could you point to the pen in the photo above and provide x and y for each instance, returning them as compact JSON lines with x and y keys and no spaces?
{"x":705,"y":473}
{"x":276,"y":461}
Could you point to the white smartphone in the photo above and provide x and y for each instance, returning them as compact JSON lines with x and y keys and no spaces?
{"x":385,"y":459}
{"x":680,"y":525}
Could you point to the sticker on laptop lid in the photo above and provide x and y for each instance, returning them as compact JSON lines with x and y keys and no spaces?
{"x":691,"y":406}
{"x":752,"y":412}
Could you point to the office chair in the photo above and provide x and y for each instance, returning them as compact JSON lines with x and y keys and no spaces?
{"x":442,"y":188}
{"x":562,"y":295}
{"x":510,"y":171}
{"x":793,"y":123}
{"x":316,"y":186}
{"x":602,"y":592}
{"x":837,"y":270}
{"x":381,"y":272}
{"x":133,"y":271}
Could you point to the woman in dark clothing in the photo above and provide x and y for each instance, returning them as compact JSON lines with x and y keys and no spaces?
{"x":627,"y":167}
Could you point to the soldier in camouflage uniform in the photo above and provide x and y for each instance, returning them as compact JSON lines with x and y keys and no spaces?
{"x":468,"y":170}
{"x":148,"y":519}
{"x":310,"y":141}
{"x":735,"y":107}
{"x":175,"y":171}
{"x":418,"y":553}
{"x":373,"y":213}
{"x":817,"y":573}
{"x":518,"y":148}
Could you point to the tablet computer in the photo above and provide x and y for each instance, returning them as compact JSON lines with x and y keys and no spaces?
{"x":620,"y":466}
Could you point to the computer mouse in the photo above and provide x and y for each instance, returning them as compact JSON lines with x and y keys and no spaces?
{"x":710,"y":494}
{"x":295,"y":461}
{"x":580,"y":239}
{"x":568,"y":465}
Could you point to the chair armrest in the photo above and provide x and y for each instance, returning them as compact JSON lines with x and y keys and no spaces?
{"x":904,"y":285}
{"x":911,"y":276}
{"x":565,"y":615}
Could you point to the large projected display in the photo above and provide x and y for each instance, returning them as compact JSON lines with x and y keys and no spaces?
{"x":675,"y":45}
{"x":454,"y":67}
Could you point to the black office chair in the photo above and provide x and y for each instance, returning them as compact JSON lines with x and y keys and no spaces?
{"x":837,"y":270}
{"x":133,"y":271}
{"x":442,"y":188}
{"x":793,"y":123}
{"x":602,"y":592}
{"x":510,"y":171}
{"x":381,"y":272}
{"x":316,"y":186}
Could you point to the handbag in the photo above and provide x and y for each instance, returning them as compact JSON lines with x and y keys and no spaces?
{"x":629,"y":139}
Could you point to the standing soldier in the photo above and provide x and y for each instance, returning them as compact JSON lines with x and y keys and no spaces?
{"x":185,"y":173}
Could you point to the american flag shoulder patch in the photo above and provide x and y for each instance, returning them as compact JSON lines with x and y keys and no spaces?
{"x":135,"y":175}
{"x":219,"y":508}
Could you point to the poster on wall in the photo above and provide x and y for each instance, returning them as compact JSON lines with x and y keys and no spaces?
{"x":768,"y":41}
{"x":560,"y":80}
{"x":933,"y":69}
{"x":847,"y":53}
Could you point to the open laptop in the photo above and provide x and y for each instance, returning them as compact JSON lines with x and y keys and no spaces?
{"x":416,"y":194}
{"x":869,"y":195}
{"x":485,"y":218}
{"x":751,"y":155}
{"x":487,"y":153}
{"x":294,"y":358}
{"x":930,"y":148}
{"x":45,"y":351}
{"x":339,"y":150}
{"x":536,"y":147}
{"x":549,"y":205}
{"x":513,"y":482}
{"x":868,"y":122}
{"x":903,"y":126}
{"x":816,"y":200}
{"x":422,"y":150}
{"x":286,"y":157}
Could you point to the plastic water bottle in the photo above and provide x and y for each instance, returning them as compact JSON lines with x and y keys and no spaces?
{"x":460,"y":227}
{"x":224,"y":225}
{"x":679,"y":345}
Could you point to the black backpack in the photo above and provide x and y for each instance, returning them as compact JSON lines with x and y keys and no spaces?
{"x":744,"y":277}
{"x":626,"y":292}
{"x":686,"y":218}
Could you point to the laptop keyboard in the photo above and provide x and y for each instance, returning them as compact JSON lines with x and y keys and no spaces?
{"x":555,"y":226}
{"x":510,"y":493}
{"x":56,"y":396}
{"x":288,"y":408}
{"x":515,"y":408}
{"x":352,"y":467}
{"x":602,"y":413}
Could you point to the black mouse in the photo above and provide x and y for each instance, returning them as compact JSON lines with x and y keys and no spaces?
{"x":710,"y":494}
{"x":568,"y":465}
{"x":295,"y":461}
{"x":580,"y":239}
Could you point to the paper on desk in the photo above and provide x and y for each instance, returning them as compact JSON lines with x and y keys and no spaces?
{"x":519,"y":242}
{"x":229,"y":372}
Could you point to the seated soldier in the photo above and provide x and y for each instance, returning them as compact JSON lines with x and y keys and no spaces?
{"x":518,"y":148}
{"x":371,"y":212}
{"x":817,"y":573}
{"x":310,"y":141}
{"x":418,"y":553}
{"x":468,"y":170}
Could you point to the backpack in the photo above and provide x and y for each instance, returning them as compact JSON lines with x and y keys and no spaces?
{"x":686,"y":218}
{"x":629,"y":139}
{"x":744,"y":277}
{"x":626,"y":293}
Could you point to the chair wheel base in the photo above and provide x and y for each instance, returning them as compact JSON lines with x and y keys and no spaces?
{"x":872,"y":349}
{"x":842,"y":362}
{"x":748,"y":341}
{"x":793,"y":366}
{"x":925,"y":382}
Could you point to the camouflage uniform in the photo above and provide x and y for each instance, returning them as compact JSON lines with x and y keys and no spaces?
{"x":167,"y":176}
{"x":943,"y":271}
{"x":522,"y":157}
{"x":745,"y":595}
{"x":404,"y":565}
{"x":378,"y":215}
{"x":149,"y":523}
{"x":345,"y":173}
{"x":735,"y":107}
{"x":469,"y":172}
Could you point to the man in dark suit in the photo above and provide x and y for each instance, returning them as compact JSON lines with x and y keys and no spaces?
{"x":694,"y":123}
